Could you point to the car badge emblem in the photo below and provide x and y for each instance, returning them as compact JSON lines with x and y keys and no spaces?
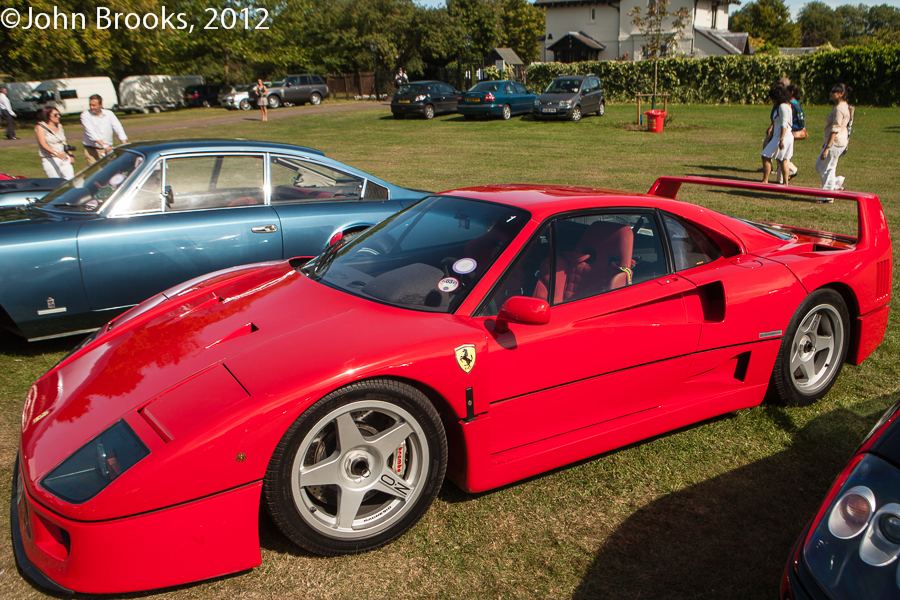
{"x":51,"y":303}
{"x":465,"y":357}
{"x":40,"y":416}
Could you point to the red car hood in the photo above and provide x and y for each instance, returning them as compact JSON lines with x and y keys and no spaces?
{"x":165,"y":341}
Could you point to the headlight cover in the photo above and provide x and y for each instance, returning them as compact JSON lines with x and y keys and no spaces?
{"x":564,"y":103}
{"x":852,"y":551}
{"x":95,"y":465}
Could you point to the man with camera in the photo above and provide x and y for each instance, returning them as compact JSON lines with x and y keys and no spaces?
{"x":99,"y":125}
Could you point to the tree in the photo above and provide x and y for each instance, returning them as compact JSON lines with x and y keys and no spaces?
{"x":522,"y":24}
{"x":767,"y":19}
{"x":818,"y":25}
{"x":480,"y":20}
{"x":658,"y":37}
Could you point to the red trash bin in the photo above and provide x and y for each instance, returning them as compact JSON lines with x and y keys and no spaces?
{"x":655,"y":120}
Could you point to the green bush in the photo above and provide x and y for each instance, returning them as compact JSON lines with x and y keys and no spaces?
{"x":870,"y":70}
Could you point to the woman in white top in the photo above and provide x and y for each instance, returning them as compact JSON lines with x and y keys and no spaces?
{"x":837,"y":135}
{"x":52,"y":143}
{"x":781,"y":146}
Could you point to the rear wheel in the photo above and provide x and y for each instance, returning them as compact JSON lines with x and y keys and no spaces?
{"x":206,"y":104}
{"x":813,"y":349}
{"x":245,"y":104}
{"x":602,"y":110}
{"x":156,"y":110}
{"x":506,"y":112}
{"x":315,"y":99}
{"x":357,"y":469}
{"x":145,"y":110}
{"x":429,"y":112}
{"x":576,"y":114}
{"x":273,"y":101}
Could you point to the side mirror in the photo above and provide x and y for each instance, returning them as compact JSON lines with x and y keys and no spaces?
{"x":522,"y":309}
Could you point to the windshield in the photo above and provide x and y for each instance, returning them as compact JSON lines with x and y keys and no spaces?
{"x":39,"y":96}
{"x":486,"y":86}
{"x":427,"y":257}
{"x":770,"y":229}
{"x":90,"y":189}
{"x":409,"y":89}
{"x":563,"y":86}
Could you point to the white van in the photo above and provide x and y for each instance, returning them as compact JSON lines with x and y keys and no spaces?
{"x":68,"y":96}
{"x":153,"y":93}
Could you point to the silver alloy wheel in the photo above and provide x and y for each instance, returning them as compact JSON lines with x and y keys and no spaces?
{"x":507,"y":112}
{"x":315,"y":99}
{"x":576,"y":113}
{"x":602,"y":110}
{"x":245,"y":104}
{"x":360,"y":469}
{"x":274,"y":101}
{"x":429,"y":112}
{"x":816,"y":348}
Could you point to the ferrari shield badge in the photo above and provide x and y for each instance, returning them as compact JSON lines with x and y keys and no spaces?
{"x":465,"y":357}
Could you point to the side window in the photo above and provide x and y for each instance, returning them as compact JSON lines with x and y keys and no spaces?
{"x":293,"y":80}
{"x":304,"y":80}
{"x":204,"y":182}
{"x":146,"y":198}
{"x":68,"y":94}
{"x":520,"y":89}
{"x":508,"y":89}
{"x":690,"y":246}
{"x":445,"y":89}
{"x":297,"y":180}
{"x":523,"y":278}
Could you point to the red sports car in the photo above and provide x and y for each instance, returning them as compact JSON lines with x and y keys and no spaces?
{"x":487,"y":334}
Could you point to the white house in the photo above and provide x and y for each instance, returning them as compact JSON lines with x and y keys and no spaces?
{"x":578,"y":30}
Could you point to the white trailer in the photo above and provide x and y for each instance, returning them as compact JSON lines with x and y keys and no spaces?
{"x":154,"y":93}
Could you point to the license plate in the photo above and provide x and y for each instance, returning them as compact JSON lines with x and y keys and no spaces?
{"x":473,"y":99}
{"x":548,"y":110}
{"x":403,"y":101}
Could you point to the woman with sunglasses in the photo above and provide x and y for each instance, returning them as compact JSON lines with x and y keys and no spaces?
{"x":836,"y":138}
{"x":52,"y":145}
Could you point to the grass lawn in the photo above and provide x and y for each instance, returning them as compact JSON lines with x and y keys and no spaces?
{"x":710,"y":511}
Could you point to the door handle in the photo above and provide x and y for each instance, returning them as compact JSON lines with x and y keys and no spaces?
{"x":265,"y":229}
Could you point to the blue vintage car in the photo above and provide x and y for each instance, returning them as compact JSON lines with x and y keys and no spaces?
{"x":496,"y":99}
{"x":17,"y":192}
{"x":154,"y":214}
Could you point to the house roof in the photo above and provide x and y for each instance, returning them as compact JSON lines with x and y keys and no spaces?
{"x":547,"y":3}
{"x":730,"y":42}
{"x":581,"y":37}
{"x":508,"y":55}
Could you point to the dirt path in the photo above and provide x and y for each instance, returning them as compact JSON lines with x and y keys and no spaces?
{"x":204,"y":118}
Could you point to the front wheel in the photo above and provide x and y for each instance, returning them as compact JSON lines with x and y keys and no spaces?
{"x":507,"y":112}
{"x":602,"y":110}
{"x":357,"y":469}
{"x":273,"y":101}
{"x":156,"y":110}
{"x":813,"y":349}
{"x":429,"y":112}
{"x":576,"y":114}
{"x":245,"y":104}
{"x":315,"y":99}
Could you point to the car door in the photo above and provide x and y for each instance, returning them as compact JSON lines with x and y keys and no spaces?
{"x":185,"y":217}
{"x":611,"y":348}
{"x":523,"y":100}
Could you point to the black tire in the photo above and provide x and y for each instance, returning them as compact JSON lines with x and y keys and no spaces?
{"x":245,"y":104}
{"x":602,"y":110}
{"x":206,"y":104}
{"x":506,"y":112}
{"x":274,"y":101}
{"x":429,"y":112}
{"x":575,"y":116}
{"x":389,"y":483}
{"x":812,"y":350}
{"x":315,"y":99}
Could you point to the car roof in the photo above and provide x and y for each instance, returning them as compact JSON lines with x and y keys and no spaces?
{"x":199,"y":145}
{"x":544,"y":201}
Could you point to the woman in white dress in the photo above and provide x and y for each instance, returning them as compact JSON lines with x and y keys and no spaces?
{"x":781,"y":146}
{"x":837,"y":136}
{"x":51,"y":138}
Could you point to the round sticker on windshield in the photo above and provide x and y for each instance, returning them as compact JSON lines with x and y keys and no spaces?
{"x":117,"y":179}
{"x":465,"y":265}
{"x":91,"y":205}
{"x":104,"y":193}
{"x":448,"y":284}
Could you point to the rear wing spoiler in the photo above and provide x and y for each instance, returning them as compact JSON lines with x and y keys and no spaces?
{"x":870,"y":214}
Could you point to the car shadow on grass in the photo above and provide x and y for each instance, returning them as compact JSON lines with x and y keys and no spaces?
{"x":730,"y":536}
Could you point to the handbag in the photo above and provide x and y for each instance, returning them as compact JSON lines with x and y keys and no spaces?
{"x":801,"y":134}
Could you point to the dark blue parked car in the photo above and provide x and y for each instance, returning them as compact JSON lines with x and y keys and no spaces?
{"x":496,"y":99}
{"x":154,"y":214}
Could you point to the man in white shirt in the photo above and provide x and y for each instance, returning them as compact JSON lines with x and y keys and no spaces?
{"x":8,"y":114}
{"x":99,"y":125}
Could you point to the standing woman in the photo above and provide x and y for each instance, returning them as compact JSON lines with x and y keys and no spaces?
{"x":53,"y":148}
{"x":836,"y":138}
{"x":262,"y":100}
{"x":781,"y":146}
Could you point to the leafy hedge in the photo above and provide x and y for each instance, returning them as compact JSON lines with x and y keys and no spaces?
{"x":872,"y":72}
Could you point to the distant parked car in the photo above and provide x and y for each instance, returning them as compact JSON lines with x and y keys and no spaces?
{"x":426,"y":98}
{"x":496,"y":99}
{"x":205,"y":95}
{"x":236,"y":97}
{"x":570,"y":97}
{"x":849,"y":550}
{"x":297,"y":89}
{"x":18,"y":192}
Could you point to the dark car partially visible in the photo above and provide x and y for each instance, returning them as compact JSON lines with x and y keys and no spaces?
{"x":206,"y":95}
{"x":849,"y":550}
{"x":571,"y":97}
{"x":425,"y":98}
